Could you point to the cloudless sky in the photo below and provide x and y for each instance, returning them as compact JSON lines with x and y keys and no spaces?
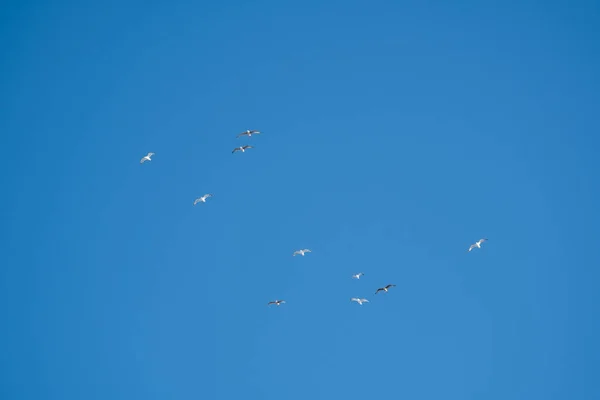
{"x":394,"y":135}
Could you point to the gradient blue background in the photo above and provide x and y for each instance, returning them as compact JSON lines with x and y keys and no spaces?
{"x":395,"y":134}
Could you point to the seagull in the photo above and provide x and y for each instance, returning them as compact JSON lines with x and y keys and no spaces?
{"x":359,"y":301}
{"x":357,"y":276}
{"x":301,"y":252}
{"x":385,"y":289}
{"x":477,"y":244}
{"x":276,"y":302}
{"x":241,"y":148}
{"x":202,"y":199}
{"x":146,"y":158}
{"x":248,"y":133}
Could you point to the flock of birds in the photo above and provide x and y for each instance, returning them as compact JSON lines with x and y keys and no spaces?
{"x":301,"y":252}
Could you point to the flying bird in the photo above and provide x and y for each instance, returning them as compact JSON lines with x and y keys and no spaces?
{"x":357,"y":276}
{"x":276,"y":302}
{"x":248,"y":133}
{"x":241,"y":148}
{"x":146,"y":158}
{"x":359,"y":301}
{"x":385,"y":289}
{"x":477,"y":244}
{"x":301,"y":252}
{"x":202,"y":199}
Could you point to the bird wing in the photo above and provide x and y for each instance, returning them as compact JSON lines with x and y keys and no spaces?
{"x":247,"y":147}
{"x":378,"y":290}
{"x":242,"y":134}
{"x":255,"y":132}
{"x":307,"y":251}
{"x":271,"y":302}
{"x":236,"y":149}
{"x":142,"y":160}
{"x":196,"y":201}
{"x":150,"y":154}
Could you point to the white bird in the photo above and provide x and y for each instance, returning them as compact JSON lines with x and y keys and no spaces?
{"x":146,"y":158}
{"x":477,"y":244}
{"x":248,"y":133}
{"x":276,"y":302}
{"x":202,"y":199}
{"x":359,"y":301}
{"x":241,"y":148}
{"x":357,"y":276}
{"x":301,"y":252}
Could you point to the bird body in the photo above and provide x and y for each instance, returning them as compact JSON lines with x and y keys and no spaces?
{"x":359,"y":301}
{"x":301,"y":252}
{"x":242,"y":148}
{"x":477,"y":244}
{"x":276,"y":302}
{"x":248,"y":133}
{"x":202,"y":198}
{"x":147,"y":157}
{"x":384,"y":289}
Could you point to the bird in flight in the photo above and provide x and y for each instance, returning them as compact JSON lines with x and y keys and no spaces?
{"x":202,"y":199}
{"x":385,"y":289}
{"x":357,"y":276}
{"x":241,"y":148}
{"x":301,"y":252}
{"x":359,"y":301}
{"x":477,"y":244}
{"x":276,"y":302}
{"x":248,"y":133}
{"x":146,"y":158}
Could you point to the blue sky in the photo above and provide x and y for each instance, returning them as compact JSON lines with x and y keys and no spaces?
{"x":395,"y":134}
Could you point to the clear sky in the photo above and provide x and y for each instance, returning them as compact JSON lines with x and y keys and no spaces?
{"x":394,"y":135}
